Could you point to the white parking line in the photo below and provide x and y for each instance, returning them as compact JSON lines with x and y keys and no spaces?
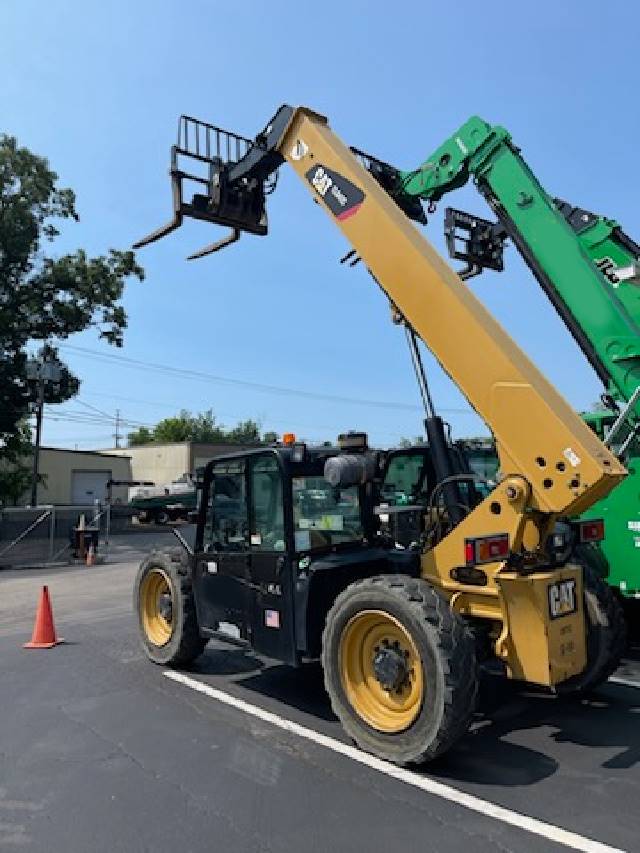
{"x":437,"y":789}
{"x":625,"y":681}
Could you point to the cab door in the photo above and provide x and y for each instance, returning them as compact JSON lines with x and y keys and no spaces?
{"x":222,"y":572}
{"x":271,"y":564}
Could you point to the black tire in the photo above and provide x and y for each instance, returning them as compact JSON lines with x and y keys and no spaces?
{"x":184,"y":643}
{"x":447,"y":651}
{"x":162,"y":517}
{"x":606,"y":635}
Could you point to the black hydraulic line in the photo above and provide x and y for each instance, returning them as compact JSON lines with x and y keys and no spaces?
{"x":421,"y":376}
{"x":446,"y":474}
{"x":441,"y":451}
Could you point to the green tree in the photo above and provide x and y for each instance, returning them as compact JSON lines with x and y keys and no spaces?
{"x":201,"y":428}
{"x":44,"y":297}
{"x":15,"y":465}
{"x":188,"y":427}
{"x":143,"y":435}
{"x":246,"y":432}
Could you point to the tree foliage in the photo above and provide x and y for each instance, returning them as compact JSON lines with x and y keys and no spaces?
{"x":201,"y":428}
{"x":45,"y":297}
{"x":15,"y":465}
{"x":143,"y":435}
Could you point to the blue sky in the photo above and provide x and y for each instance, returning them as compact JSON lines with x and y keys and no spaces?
{"x":98,"y":87}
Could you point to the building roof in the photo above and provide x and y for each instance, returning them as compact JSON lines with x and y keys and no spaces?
{"x":82,"y":452}
{"x":218,"y":446}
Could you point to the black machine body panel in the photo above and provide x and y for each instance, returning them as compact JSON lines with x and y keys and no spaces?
{"x":321,"y":579}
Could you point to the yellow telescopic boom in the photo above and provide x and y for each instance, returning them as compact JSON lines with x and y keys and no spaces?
{"x":538,"y":434}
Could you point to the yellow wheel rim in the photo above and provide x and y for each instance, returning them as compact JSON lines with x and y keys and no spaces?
{"x":388,"y":708}
{"x":153,"y":591}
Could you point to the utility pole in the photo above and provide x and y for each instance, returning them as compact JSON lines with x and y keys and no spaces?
{"x":117,"y":432}
{"x":36,"y":448}
{"x":43,"y":370}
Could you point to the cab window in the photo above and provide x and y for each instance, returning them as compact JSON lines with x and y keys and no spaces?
{"x":403,"y":478}
{"x":227,"y":524}
{"x":267,"y":511}
{"x":324,"y":516}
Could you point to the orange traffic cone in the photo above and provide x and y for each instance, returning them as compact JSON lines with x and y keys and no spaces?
{"x":44,"y":631}
{"x":91,"y":556}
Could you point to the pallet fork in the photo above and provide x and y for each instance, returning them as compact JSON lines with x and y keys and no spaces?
{"x":231,"y":197}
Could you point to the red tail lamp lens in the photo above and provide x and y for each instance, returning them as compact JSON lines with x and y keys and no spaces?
{"x":592,"y":531}
{"x":486,"y":549}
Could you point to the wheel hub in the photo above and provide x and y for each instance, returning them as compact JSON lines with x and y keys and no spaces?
{"x":381,"y":670}
{"x":390,"y":667}
{"x":165,"y":607}
{"x":156,"y":607}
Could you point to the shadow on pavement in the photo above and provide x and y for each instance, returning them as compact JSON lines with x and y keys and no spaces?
{"x":608,"y":719}
{"x":226,"y":661}
{"x":301,"y":688}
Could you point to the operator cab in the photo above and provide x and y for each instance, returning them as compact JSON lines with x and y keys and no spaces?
{"x":277,"y":500}
{"x":413,"y":503}
{"x":270,"y":521}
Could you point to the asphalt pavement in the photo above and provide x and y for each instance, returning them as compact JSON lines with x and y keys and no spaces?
{"x":101,"y":751}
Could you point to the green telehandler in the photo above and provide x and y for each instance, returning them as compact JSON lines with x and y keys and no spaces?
{"x":587,"y":266}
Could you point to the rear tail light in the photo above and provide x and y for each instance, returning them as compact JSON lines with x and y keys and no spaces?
{"x":591,"y":531}
{"x":469,"y":552}
{"x":486,"y":549}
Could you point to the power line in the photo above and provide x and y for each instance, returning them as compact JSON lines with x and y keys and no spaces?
{"x":166,"y":369}
{"x":87,"y":418}
{"x":81,"y":418}
{"x":91,"y":418}
{"x":89,"y":406}
{"x":298,"y":426}
{"x":81,"y":440}
{"x":175,"y":407}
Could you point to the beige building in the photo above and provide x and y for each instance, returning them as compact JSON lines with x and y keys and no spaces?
{"x":164,"y":463}
{"x":80,"y":477}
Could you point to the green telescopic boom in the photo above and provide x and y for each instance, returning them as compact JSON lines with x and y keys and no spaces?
{"x":590,"y":271}
{"x":585,"y":263}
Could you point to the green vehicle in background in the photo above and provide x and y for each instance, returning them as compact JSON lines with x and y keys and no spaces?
{"x":588,"y":268}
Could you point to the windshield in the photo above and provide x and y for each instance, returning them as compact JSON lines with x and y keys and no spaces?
{"x":407,"y":480}
{"x":483,"y":463}
{"x":324,"y":516}
{"x":403,"y":478}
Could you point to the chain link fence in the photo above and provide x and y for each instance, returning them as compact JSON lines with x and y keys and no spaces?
{"x":45,"y":535}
